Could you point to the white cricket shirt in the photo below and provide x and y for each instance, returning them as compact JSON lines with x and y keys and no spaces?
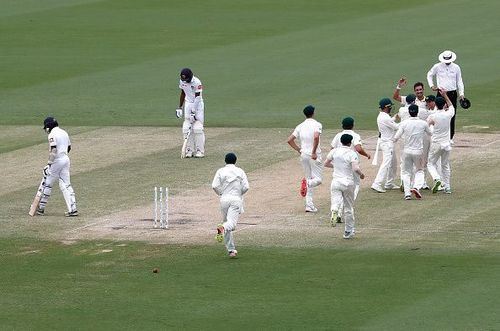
{"x":413,"y":131}
{"x":448,"y":77}
{"x":386,"y":126}
{"x":342,"y":159}
{"x":305,"y":133}
{"x":441,"y":120}
{"x":230,"y":182}
{"x":60,"y":139}
{"x":356,"y":139}
{"x":190,"y":89}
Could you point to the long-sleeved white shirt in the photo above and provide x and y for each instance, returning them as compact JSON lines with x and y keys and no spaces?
{"x":413,"y":131}
{"x":230,"y":182}
{"x":448,"y":77}
{"x":386,"y":126}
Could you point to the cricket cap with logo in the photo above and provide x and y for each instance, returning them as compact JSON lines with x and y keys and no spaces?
{"x":430,"y":98}
{"x":385,"y":102}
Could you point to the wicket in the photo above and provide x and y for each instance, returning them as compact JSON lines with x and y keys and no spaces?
{"x":161,"y":207}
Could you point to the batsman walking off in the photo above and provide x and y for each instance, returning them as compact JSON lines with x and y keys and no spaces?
{"x":309,"y":132}
{"x":57,"y":167}
{"x":230,"y":183}
{"x":194,"y":113}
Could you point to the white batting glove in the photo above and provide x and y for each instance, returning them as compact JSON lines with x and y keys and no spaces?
{"x":178,"y":112}
{"x":46,"y":170}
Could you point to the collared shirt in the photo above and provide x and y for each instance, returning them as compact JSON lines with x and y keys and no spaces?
{"x":305,"y":133}
{"x":342,"y":159}
{"x":386,"y":126}
{"x":190,"y":89}
{"x":441,"y":122}
{"x":413,"y":131}
{"x":230,"y":182}
{"x":59,"y":139}
{"x":448,"y":77}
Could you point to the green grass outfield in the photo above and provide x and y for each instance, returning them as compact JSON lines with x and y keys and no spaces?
{"x":108,"y":70}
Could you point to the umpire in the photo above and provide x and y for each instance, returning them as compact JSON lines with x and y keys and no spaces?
{"x":449,"y":78}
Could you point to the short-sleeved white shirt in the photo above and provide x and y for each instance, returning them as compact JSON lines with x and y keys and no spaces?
{"x":59,"y":138}
{"x":230,"y":181}
{"x":404,"y":113}
{"x":441,"y":119}
{"x":190,"y":89}
{"x":342,"y":159}
{"x":305,"y":133}
{"x":356,"y":139}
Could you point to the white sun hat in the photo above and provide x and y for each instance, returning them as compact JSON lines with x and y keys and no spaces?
{"x":447,"y":57}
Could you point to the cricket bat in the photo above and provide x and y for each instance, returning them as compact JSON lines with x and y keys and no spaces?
{"x":38,"y":196}
{"x":184,"y":144}
{"x":375,"y":157}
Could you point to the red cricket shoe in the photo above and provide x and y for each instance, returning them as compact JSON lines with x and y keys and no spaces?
{"x":303,"y":187}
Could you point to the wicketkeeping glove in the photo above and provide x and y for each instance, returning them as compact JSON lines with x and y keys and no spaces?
{"x":178,"y":112}
{"x":46,"y":170}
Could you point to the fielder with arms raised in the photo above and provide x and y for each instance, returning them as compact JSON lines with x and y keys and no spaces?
{"x":57,"y":167}
{"x":230,"y":183}
{"x":194,"y":114}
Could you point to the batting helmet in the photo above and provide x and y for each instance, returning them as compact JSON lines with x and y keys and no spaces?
{"x":49,"y":123}
{"x":465,"y":103}
{"x":186,"y":75}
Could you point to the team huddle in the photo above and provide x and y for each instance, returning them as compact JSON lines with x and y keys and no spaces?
{"x":423,"y":126}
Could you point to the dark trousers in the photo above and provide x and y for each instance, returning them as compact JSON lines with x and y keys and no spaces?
{"x":453,"y":95}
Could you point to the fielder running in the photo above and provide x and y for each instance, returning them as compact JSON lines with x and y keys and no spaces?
{"x":194,"y":113}
{"x":309,"y":132}
{"x":356,"y":145}
{"x":440,"y":144}
{"x":345,"y":164}
{"x":230,"y":183}
{"x":57,"y":167}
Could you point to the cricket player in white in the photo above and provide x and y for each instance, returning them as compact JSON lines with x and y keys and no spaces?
{"x":412,"y":131}
{"x":387,"y":128}
{"x":440,"y":144}
{"x":345,"y":164}
{"x":194,"y":113}
{"x":309,"y":132}
{"x":230,"y":183}
{"x":356,"y":145}
{"x":58,"y":167}
{"x":418,"y":88}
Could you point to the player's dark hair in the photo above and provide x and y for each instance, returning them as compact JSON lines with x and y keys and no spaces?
{"x":230,"y":158}
{"x":418,"y":84}
{"x":309,"y":111}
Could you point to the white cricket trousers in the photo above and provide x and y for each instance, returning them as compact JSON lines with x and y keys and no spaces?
{"x":313,"y":170}
{"x":442,"y":151}
{"x":194,"y":120}
{"x":342,"y":194}
{"x":412,"y":162}
{"x":231,"y":208}
{"x":387,"y":171}
{"x":59,"y":170}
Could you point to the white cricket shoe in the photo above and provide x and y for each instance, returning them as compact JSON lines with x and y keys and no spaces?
{"x":378,"y":188}
{"x":348,"y":234}
{"x":199,"y":154}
